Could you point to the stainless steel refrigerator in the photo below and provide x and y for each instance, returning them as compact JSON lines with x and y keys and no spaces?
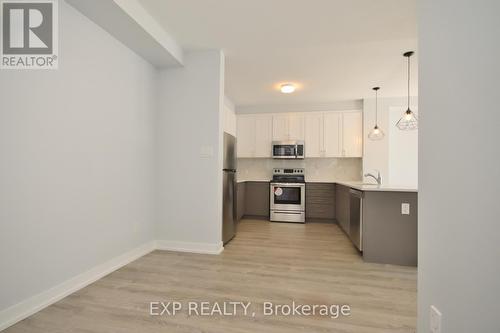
{"x":229,"y":189}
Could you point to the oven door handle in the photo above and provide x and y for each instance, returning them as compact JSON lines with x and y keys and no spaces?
{"x":288,"y":212}
{"x":302,"y":185}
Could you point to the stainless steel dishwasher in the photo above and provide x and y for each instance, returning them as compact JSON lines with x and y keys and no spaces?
{"x":356,"y":218}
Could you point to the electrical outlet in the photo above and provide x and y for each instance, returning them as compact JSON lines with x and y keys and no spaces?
{"x":435,"y":320}
{"x":405,"y":209}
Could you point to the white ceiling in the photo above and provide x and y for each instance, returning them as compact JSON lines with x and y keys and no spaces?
{"x":333,"y":49}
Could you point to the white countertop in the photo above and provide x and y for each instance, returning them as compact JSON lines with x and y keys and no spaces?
{"x":376,"y":188}
{"x":252,"y":180}
{"x":358,"y":185}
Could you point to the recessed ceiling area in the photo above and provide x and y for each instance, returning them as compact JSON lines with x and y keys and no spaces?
{"x":334,"y":50}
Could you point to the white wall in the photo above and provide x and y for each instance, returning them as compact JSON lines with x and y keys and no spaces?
{"x":396,"y":155}
{"x":77,"y":170}
{"x":190,"y":131}
{"x":403,"y":151}
{"x":459,"y":266}
{"x":345,"y":105}
{"x":229,"y":117}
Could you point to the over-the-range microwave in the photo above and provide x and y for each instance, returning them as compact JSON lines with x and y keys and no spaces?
{"x":288,"y":149}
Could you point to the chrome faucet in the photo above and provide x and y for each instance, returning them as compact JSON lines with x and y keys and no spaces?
{"x":378,"y":178}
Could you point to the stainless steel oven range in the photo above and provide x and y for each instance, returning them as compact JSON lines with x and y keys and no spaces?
{"x":288,"y":196}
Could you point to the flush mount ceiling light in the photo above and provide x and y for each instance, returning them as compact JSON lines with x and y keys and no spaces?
{"x":287,"y":88}
{"x":376,"y":133}
{"x":409,"y":120}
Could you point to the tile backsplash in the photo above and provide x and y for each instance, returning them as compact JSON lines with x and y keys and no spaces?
{"x":317,"y":169}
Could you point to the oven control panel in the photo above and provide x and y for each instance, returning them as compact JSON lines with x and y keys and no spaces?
{"x":291,"y":171}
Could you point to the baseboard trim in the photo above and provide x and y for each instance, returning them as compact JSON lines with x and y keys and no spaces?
{"x":24,"y":309}
{"x":203,"y":248}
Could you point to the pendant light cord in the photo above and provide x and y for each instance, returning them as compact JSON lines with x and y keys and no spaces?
{"x":409,"y":82}
{"x":376,"y":107}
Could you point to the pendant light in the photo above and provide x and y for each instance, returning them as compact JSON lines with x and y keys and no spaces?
{"x":376,"y":133}
{"x":409,"y":120}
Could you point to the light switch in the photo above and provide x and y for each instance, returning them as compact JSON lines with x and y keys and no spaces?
{"x":405,"y":209}
{"x":435,"y":320}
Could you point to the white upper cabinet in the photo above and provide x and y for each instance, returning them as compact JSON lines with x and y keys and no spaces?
{"x":313,"y":130}
{"x":288,"y":127}
{"x":296,"y":127}
{"x":326,"y":134}
{"x":352,"y":134}
{"x":332,"y":134}
{"x":280,"y":127}
{"x":245,"y":131}
{"x":263,"y":135}
{"x":254,"y":133}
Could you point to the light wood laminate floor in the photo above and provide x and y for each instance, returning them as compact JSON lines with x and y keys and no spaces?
{"x":275,"y":262}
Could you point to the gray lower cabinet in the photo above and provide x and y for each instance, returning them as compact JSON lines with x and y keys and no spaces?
{"x":320,"y":201}
{"x":257,"y":199}
{"x":240,"y":200}
{"x":342,"y":207}
{"x":390,"y":237}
